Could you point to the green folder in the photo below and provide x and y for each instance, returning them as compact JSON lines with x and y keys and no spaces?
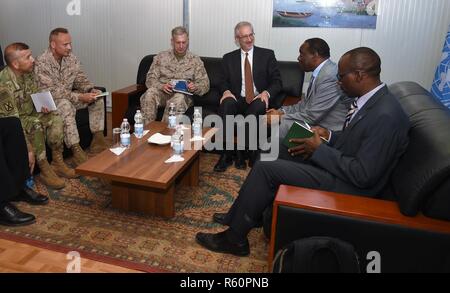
{"x":297,"y":130}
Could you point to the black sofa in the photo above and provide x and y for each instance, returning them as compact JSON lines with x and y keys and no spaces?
{"x":411,"y":231}
{"x":82,"y":118}
{"x":126,"y":101}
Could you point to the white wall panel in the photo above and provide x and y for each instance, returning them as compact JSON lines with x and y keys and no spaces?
{"x":110,"y":37}
{"x":139,"y":28}
{"x":90,"y":33}
{"x":409,"y":38}
{"x":25,"y":21}
{"x":212,"y":24}
{"x":409,"y":34}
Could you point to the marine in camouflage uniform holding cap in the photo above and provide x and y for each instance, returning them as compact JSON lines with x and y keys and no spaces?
{"x":176,"y":63}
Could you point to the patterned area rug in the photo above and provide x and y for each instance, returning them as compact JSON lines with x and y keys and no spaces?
{"x":79,"y":217}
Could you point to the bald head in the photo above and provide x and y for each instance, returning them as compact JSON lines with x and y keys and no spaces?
{"x":359,"y":71}
{"x":12,"y":52}
{"x":365,"y":59}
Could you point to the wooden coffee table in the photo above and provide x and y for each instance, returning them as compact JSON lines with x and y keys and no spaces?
{"x":141,"y":181}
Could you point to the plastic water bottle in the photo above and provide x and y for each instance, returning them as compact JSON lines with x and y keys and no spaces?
{"x":125,"y":139}
{"x":138,"y":124}
{"x":172,"y":116}
{"x":178,"y":141}
{"x":30,"y":182}
{"x":197,"y":123}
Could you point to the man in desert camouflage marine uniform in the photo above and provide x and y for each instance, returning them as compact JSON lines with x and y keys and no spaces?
{"x":176,"y":63}
{"x":60,"y":72}
{"x":39,"y":128}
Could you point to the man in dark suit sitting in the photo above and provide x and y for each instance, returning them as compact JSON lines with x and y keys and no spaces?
{"x":250,"y":78}
{"x":358,"y":160}
{"x":16,"y":165}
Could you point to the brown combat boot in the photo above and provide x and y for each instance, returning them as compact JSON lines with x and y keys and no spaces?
{"x":78,"y":155}
{"x":48,"y":176}
{"x":98,"y":143}
{"x":60,"y":167}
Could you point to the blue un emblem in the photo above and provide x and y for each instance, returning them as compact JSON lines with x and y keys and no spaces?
{"x":441,"y":83}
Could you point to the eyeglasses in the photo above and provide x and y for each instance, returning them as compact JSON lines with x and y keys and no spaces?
{"x":251,"y":36}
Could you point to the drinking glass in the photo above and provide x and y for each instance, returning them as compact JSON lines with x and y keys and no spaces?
{"x":181,"y":109}
{"x":115,"y":138}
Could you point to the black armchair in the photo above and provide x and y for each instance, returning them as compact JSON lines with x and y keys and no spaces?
{"x":82,"y":118}
{"x":411,"y":233}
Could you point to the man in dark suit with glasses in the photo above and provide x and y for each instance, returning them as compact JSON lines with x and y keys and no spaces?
{"x":250,"y":78}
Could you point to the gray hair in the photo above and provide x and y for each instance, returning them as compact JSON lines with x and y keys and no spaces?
{"x":179,"y":30}
{"x":241,"y":24}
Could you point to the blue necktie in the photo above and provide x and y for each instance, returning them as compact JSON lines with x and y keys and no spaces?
{"x":310,"y":86}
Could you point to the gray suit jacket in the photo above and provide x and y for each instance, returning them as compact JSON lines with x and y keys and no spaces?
{"x":326,"y":105}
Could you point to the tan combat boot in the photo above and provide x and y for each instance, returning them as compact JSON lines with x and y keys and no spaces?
{"x":60,"y":167}
{"x":49,"y":177}
{"x":98,"y":143}
{"x":79,"y":156}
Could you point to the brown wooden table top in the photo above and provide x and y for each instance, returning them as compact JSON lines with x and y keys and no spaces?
{"x":143,"y":163}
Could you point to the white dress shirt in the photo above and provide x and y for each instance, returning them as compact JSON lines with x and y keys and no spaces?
{"x":363,"y":99}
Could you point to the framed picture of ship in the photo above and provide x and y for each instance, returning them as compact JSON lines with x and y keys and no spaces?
{"x":325,"y":13}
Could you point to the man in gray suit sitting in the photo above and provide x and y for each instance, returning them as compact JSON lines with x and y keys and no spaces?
{"x":324,"y":103}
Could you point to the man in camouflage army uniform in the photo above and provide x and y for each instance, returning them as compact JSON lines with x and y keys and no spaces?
{"x":59,"y":71}
{"x":176,"y":63}
{"x":39,"y":127}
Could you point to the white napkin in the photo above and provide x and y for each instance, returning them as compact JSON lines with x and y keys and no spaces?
{"x":174,"y":159}
{"x":117,"y":151}
{"x":158,"y":138}
{"x":197,"y":138}
{"x":143,"y":134}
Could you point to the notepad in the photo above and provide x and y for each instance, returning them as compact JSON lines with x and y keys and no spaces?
{"x":102,"y":95}
{"x":45,"y":100}
{"x":299,"y":129}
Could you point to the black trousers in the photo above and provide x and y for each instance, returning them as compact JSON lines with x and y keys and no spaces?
{"x":14,"y":168}
{"x":259,"y":189}
{"x":232,"y":107}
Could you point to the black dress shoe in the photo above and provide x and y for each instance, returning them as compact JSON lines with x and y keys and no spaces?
{"x":220,"y":218}
{"x":220,"y":243}
{"x":32,"y":197}
{"x":240,"y":163}
{"x":224,"y":162}
{"x":11,"y":216}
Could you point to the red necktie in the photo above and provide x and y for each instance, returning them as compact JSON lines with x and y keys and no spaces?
{"x":249,"y":93}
